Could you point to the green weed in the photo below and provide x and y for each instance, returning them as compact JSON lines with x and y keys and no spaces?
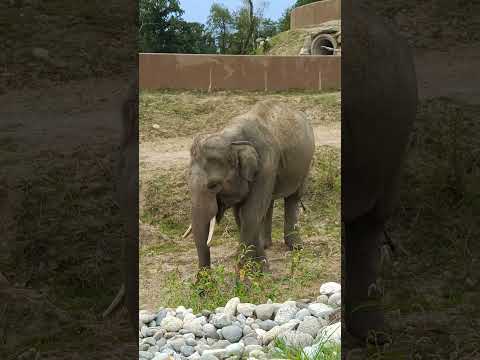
{"x":324,"y":351}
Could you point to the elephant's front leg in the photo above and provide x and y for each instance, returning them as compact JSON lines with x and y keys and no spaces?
{"x":252,"y":215}
{"x":363,"y":311}
{"x":291,"y":234}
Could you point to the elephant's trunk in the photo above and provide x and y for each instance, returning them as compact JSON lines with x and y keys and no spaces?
{"x":204,"y":211}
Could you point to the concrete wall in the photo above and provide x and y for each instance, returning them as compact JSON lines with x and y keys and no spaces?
{"x":229,"y":72}
{"x":315,"y":13}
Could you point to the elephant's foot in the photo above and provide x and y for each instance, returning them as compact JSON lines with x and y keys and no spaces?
{"x":368,"y":324}
{"x":268,"y":244}
{"x":293,"y":241}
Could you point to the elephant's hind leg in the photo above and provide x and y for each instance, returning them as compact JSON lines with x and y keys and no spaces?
{"x":363,"y":311}
{"x":291,"y":234}
{"x":267,"y":228}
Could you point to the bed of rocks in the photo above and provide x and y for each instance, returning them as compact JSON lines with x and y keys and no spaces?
{"x":241,"y":330}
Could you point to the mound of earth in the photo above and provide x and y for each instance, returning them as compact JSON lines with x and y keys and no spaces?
{"x":290,"y":43}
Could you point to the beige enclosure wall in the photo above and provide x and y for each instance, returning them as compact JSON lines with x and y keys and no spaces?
{"x":242,"y":72}
{"x":315,"y":13}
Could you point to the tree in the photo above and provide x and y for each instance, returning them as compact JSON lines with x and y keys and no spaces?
{"x":219,"y":23}
{"x":193,"y":38}
{"x":284,"y":21}
{"x":251,"y":26}
{"x":158,"y":24}
{"x":247,"y":23}
{"x":162,"y":29}
{"x":267,"y":29}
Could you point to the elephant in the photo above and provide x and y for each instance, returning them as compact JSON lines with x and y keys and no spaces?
{"x":126,"y":193}
{"x":261,"y":156}
{"x":379,"y":104}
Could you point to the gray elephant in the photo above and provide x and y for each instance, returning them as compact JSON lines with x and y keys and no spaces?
{"x":379,"y":102}
{"x":262,"y":156}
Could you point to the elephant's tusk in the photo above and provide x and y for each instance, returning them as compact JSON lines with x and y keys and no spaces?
{"x":115,"y":302}
{"x":210,"y":231}
{"x":189,"y":230}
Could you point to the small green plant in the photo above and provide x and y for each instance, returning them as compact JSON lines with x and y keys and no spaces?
{"x":324,"y":350}
{"x":297,"y":257}
{"x":212,"y":288}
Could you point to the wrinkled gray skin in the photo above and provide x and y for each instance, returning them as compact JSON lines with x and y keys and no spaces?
{"x":227,"y":172}
{"x":379,"y":101}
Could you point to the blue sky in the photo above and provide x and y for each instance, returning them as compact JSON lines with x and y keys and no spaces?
{"x":197,"y":10}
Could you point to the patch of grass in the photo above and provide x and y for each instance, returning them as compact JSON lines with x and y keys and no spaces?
{"x":287,"y":43}
{"x":167,"y":114}
{"x":322,"y":194}
{"x":213,"y":288}
{"x":436,"y":223}
{"x":323,"y":351}
{"x":67,"y":245}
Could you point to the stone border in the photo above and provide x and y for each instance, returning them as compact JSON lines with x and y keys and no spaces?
{"x":315,"y":13}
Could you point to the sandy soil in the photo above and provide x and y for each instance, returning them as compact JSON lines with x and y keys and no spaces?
{"x":174,"y":152}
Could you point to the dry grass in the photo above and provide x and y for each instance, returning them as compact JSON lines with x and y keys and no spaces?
{"x":288,"y":43}
{"x":167,"y":114}
{"x":432,"y":294}
{"x":433,"y":24}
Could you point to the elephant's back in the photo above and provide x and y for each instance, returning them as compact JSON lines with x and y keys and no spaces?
{"x":292,"y":136}
{"x":287,"y":126}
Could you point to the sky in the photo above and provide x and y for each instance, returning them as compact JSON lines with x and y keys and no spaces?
{"x":198,"y":10}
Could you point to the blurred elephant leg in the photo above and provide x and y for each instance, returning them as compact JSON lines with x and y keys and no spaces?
{"x":267,"y":228}
{"x":131,"y":283}
{"x":236,"y":215}
{"x":363,"y":311}
{"x":291,"y":235}
{"x":252,"y":214}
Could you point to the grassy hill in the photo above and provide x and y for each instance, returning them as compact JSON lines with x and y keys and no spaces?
{"x":291,"y":42}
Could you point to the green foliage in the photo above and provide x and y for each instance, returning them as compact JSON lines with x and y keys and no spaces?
{"x":162,"y":29}
{"x":220,"y":22}
{"x":212,"y":288}
{"x":267,"y":28}
{"x":236,"y":32}
{"x":325,"y":351}
{"x":284,"y":21}
{"x":194,"y":38}
{"x":159,"y":21}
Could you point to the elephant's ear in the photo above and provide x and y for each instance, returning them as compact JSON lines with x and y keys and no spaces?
{"x":247,"y":161}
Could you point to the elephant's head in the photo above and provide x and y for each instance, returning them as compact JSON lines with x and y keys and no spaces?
{"x":219,"y":167}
